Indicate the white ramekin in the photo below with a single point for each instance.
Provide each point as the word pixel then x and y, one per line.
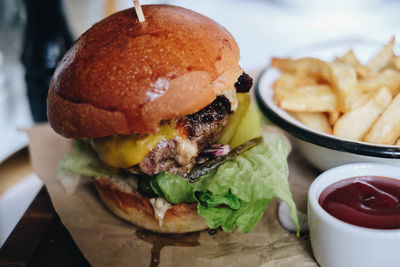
pixel 339 244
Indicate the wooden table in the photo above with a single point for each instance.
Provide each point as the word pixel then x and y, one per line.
pixel 39 239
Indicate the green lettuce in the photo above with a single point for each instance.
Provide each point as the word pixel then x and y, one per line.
pixel 172 187
pixel 239 191
pixel 85 162
pixel 82 161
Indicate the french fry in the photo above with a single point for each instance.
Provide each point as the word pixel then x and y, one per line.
pixel 284 82
pixel 386 129
pixel 382 59
pixel 396 62
pixel 333 116
pixel 343 79
pixel 356 123
pixel 313 98
pixel 398 142
pixel 361 99
pixel 309 66
pixel 340 75
pixel 388 78
pixel 288 81
pixel 350 58
pixel 315 120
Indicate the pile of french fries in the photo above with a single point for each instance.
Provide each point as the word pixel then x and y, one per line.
pixel 343 97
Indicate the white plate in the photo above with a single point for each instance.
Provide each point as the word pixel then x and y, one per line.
pixel 12 141
pixel 15 201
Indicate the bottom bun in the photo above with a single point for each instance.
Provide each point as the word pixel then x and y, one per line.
pixel 133 207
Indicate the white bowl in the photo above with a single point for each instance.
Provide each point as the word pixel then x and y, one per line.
pixel 323 150
pixel 339 244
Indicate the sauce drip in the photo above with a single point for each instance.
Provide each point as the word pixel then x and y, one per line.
pixel 367 201
pixel 159 241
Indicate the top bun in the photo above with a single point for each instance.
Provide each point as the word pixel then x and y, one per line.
pixel 125 77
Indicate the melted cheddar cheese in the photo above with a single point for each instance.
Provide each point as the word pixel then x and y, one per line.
pixel 123 151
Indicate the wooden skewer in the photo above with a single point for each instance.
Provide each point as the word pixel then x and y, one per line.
pixel 139 11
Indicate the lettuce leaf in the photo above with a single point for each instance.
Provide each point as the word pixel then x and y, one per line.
pixel 255 178
pixel 85 162
pixel 245 218
pixel 172 187
pixel 239 191
pixel 82 161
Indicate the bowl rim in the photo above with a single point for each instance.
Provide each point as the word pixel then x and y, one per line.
pixel 327 141
pixel 324 180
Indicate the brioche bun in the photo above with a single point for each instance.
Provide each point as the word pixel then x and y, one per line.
pixel 133 207
pixel 125 77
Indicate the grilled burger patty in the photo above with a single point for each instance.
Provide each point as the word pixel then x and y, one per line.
pixel 203 128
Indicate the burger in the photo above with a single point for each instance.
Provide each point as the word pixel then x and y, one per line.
pixel 163 122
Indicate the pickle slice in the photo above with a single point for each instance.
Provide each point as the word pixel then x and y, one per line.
pixel 212 164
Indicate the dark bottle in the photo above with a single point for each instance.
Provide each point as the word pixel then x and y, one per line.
pixel 46 39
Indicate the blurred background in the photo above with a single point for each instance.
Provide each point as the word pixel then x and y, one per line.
pixel 34 34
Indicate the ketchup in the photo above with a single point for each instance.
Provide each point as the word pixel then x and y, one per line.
pixel 367 201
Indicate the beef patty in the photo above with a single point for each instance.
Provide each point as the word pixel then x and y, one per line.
pixel 203 128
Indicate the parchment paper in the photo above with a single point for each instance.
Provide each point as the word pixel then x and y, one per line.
pixel 106 240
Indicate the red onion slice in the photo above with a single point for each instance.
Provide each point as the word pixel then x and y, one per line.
pixel 217 150
pixel 286 221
